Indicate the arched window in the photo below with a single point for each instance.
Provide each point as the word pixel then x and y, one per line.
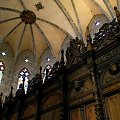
pixel 24 74
pixel 44 72
pixel 2 68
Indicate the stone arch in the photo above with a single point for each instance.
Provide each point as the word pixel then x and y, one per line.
pixel 20 64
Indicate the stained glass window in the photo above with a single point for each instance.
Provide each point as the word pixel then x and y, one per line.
pixel 44 72
pixel 2 67
pixel 24 74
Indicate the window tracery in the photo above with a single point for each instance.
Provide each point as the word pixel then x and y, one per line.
pixel 23 75
pixel 49 67
pixel 2 68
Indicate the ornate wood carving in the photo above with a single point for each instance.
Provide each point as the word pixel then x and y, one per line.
pixel 52 100
pixel 75 114
pixel 112 74
pixel 107 34
pixel 14 117
pixel 108 55
pixel 30 110
pixel 113 107
pixel 51 115
pixel 74 51
pixel 90 112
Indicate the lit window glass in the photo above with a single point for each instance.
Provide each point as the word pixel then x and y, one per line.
pixel 97 23
pixel 2 67
pixel 23 74
pixel 44 72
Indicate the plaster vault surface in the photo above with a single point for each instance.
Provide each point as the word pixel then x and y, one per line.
pixel 38 24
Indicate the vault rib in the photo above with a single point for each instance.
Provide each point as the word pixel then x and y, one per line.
pixel 45 38
pixel 22 4
pixel 118 4
pixel 33 39
pixel 10 9
pixel 7 20
pixel 19 44
pixel 77 17
pixel 11 31
pixel 110 8
pixel 61 29
pixel 65 12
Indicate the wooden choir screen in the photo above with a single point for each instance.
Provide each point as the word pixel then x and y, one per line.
pixel 75 114
pixel 113 107
pixel 51 115
pixel 90 112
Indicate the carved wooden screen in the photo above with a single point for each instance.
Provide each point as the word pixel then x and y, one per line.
pixel 14 117
pixel 75 114
pixel 90 112
pixel 113 107
pixel 30 111
pixel 52 115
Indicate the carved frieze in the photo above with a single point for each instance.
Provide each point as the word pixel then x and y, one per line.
pixel 107 34
pixel 80 87
pixel 74 51
pixel 108 55
pixel 14 117
pixel 52 100
pixel 112 74
pixel 30 110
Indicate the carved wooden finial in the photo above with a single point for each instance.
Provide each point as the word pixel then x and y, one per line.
pixel 117 13
pixel 89 43
pixel 47 74
pixel 11 94
pixel 62 58
pixel 40 70
pixel 89 40
pixel 1 95
pixel 40 75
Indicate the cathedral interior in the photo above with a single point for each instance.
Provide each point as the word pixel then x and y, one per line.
pixel 59 59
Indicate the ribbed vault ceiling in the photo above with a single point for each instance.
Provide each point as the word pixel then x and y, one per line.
pixel 49 26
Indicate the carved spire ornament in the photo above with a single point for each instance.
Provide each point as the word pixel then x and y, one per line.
pixel 62 59
pixel 96 86
pixel 89 40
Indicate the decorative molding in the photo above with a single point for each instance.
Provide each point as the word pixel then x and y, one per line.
pixel 39 6
pixel 28 17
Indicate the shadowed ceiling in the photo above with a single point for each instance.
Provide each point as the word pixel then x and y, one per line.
pixel 40 24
